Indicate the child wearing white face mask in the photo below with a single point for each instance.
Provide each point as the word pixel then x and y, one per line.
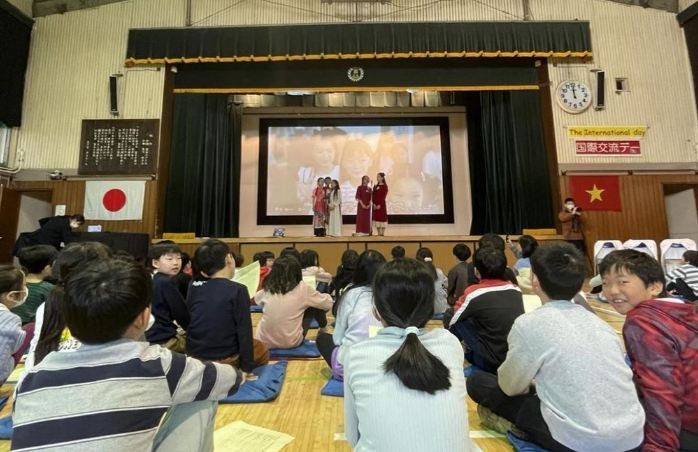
pixel 14 340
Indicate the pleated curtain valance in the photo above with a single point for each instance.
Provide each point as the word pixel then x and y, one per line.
pixel 359 41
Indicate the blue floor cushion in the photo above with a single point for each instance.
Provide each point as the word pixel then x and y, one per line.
pixel 521 445
pixel 333 388
pixel 306 350
pixel 6 427
pixel 265 388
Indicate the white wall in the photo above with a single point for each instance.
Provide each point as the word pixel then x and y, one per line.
pixel 649 48
pixel 683 4
pixel 73 54
pixel 460 176
pixel 23 5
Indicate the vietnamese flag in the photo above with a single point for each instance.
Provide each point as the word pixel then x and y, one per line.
pixel 596 192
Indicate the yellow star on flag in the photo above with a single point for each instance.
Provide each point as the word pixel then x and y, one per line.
pixel 595 193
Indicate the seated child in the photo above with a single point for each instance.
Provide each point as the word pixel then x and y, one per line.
pixel 398 252
pixel 343 277
pixel 220 328
pixel 50 330
pixel 440 281
pixel 484 314
pixel 285 299
pixel 458 275
pixel 661 339
pixel 310 263
pixel 405 372
pixel 15 339
pixel 266 261
pixel 168 305
pixel 37 260
pixel 497 242
pixel 683 280
pixel 184 277
pixel 557 354
pixel 113 392
pixel 354 315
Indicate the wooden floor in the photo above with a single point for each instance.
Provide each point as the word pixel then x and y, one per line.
pixel 317 422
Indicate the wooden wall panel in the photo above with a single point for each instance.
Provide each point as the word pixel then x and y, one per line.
pixel 643 215
pixel 72 194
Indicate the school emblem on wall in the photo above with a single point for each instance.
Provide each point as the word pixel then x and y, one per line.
pixel 355 74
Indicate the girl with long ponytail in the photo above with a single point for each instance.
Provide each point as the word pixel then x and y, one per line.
pixel 404 388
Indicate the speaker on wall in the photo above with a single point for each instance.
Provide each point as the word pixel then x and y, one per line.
pixel 113 98
pixel 600 90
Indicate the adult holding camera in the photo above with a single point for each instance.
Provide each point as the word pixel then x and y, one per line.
pixel 572 223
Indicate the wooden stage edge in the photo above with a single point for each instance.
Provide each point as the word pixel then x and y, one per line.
pixel 330 249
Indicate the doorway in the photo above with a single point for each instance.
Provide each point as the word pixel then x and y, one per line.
pixel 33 206
pixel 681 211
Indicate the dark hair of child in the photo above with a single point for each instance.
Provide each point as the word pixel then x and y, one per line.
pixel 284 276
pixel 492 240
pixel 101 300
pixel 691 257
pixel 262 257
pixel 425 256
pixel 490 262
pixel 634 262
pixel 560 270
pixel 366 267
pixel 36 258
pixel 309 258
pixel 462 252
pixel 291 251
pixel 403 295
pixel 528 245
pixel 398 252
pixel 160 249
pixel 73 256
pixel 11 279
pixel 209 258
pixel 80 218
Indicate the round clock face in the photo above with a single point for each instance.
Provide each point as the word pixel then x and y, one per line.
pixel 573 96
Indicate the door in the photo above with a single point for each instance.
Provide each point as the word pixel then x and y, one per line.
pixel 681 212
pixel 9 214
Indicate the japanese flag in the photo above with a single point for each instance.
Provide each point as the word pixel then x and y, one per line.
pixel 114 200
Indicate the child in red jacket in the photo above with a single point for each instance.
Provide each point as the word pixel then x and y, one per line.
pixel 661 337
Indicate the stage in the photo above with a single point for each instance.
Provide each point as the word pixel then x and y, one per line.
pixel 330 249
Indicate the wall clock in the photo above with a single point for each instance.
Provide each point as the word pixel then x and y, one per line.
pixel 573 96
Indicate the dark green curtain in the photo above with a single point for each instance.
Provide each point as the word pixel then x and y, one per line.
pixel 510 183
pixel 204 178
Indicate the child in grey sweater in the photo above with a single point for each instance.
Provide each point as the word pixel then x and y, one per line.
pixel 548 384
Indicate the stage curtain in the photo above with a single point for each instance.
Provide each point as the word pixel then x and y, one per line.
pixel 359 41
pixel 508 164
pixel 204 177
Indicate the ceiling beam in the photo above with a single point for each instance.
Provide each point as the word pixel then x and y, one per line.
pixel 47 7
pixel 671 6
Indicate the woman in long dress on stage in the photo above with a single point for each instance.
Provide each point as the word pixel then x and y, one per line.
pixel 335 210
pixel 319 209
pixel 380 211
pixel 363 207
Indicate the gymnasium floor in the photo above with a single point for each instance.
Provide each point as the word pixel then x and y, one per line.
pixel 316 421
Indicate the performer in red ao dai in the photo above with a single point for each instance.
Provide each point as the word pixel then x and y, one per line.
pixel 319 209
pixel 380 211
pixel 363 207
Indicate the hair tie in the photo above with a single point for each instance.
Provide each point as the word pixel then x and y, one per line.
pixel 411 330
pixel 427 259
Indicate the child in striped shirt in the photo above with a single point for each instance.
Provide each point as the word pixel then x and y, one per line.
pixel 116 393
pixel 683 281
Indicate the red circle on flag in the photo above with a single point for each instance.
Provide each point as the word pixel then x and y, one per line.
pixel 114 200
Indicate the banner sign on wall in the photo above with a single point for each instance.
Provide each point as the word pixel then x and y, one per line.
pixel 606 131
pixel 607 147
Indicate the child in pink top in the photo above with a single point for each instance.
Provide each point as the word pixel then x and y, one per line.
pixel 285 298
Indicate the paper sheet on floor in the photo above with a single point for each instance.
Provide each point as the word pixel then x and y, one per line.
pixel 243 437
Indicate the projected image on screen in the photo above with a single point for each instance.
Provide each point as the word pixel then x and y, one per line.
pixel 410 153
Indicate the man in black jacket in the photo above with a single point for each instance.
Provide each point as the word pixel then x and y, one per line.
pixel 53 231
